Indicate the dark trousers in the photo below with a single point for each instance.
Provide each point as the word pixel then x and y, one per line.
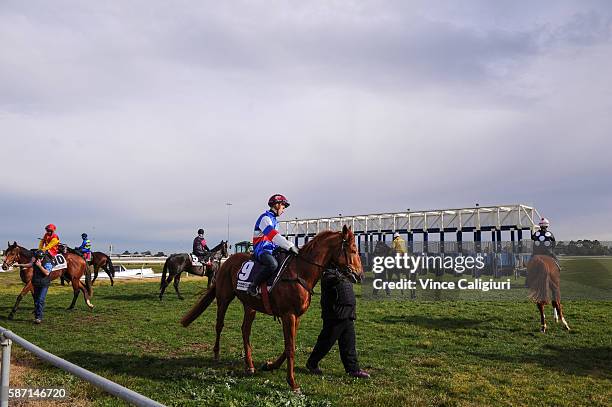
pixel 40 293
pixel 343 331
pixel 270 264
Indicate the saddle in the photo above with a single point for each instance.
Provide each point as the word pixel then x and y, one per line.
pixel 252 267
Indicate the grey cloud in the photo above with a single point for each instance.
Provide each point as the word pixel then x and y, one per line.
pixel 170 113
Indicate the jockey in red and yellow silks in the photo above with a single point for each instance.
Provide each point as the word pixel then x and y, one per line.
pixel 50 241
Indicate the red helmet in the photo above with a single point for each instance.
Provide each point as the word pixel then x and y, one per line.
pixel 51 227
pixel 278 198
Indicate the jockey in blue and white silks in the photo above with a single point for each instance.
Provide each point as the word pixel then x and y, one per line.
pixel 266 238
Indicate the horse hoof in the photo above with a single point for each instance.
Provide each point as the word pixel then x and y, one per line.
pixel 297 390
pixel 266 367
pixel 181 298
pixel 11 316
pixel 543 330
pixel 250 371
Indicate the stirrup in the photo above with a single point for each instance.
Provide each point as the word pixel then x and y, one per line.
pixel 251 292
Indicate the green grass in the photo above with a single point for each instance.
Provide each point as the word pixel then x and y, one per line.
pixel 419 352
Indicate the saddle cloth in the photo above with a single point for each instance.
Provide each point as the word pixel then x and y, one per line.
pixel 251 268
pixel 59 262
pixel 195 261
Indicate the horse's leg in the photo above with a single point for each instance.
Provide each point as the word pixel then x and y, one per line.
pixel 164 284
pixel 85 294
pixel 177 280
pixel 96 268
pixel 269 366
pixel 75 289
pixel 28 288
pixel 542 320
pixel 247 323
pixel 289 331
pixel 221 309
pixel 559 313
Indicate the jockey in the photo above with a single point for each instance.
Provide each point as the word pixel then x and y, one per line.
pixel 200 248
pixel 543 240
pixel 266 239
pixel 85 247
pixel 50 241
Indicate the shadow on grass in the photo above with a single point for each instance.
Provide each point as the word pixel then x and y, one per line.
pixel 434 323
pixel 583 361
pixel 156 367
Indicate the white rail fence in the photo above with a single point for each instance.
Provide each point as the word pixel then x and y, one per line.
pixel 7 338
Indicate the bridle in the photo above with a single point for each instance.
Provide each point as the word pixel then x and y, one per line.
pixel 347 270
pixel 15 260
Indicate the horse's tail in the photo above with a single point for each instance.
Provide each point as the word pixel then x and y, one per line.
pixel 88 278
pixel 164 272
pixel 199 306
pixel 538 280
pixel 109 264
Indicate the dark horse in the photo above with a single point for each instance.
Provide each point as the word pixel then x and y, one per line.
pixel 99 261
pixel 177 263
pixel 543 277
pixel 289 299
pixel 77 267
pixel 102 261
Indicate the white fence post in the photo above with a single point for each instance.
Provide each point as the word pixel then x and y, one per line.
pixel 5 370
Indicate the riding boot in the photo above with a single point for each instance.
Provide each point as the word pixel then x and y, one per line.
pixel 263 276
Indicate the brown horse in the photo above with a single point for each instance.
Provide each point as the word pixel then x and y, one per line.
pixel 75 270
pixel 289 299
pixel 543 277
pixel 102 261
pixel 175 264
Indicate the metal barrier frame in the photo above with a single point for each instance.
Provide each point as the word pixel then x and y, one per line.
pixel 6 339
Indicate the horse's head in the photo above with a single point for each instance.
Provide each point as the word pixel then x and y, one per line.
pixel 224 252
pixel 11 255
pixel 346 256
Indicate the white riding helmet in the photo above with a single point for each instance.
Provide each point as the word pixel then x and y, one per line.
pixel 396 234
pixel 544 222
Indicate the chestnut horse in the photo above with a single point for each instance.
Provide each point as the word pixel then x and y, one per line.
pixel 289 299
pixel 75 270
pixel 543 278
pixel 102 261
pixel 177 263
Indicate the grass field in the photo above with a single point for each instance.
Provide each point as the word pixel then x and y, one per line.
pixel 420 352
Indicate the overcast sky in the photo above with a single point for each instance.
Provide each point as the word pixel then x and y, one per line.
pixel 136 121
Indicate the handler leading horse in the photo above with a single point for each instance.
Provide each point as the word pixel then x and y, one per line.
pixel 289 299
pixel 77 267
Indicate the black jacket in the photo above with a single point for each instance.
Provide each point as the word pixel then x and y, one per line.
pixel 39 279
pixel 198 249
pixel 337 297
